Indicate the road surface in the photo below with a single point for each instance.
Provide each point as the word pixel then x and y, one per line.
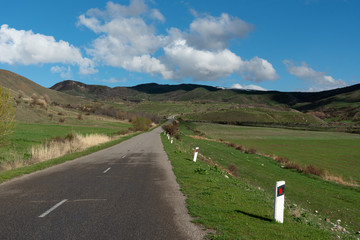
pixel 124 192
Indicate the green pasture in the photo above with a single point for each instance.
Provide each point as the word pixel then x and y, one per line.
pixel 337 152
pixel 241 207
pixel 256 115
pixel 27 135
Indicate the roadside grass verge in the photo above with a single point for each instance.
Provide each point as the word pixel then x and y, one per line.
pixel 232 207
pixel 333 152
pixel 242 207
pixel 6 175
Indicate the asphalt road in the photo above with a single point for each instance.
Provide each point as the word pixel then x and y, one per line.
pixel 125 192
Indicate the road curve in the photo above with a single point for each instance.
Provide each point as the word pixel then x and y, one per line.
pixel 127 191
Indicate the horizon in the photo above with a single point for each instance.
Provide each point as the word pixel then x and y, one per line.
pixel 297 46
pixel 176 84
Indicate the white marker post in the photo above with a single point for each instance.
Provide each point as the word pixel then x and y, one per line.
pixel 279 201
pixel 168 137
pixel 172 140
pixel 196 153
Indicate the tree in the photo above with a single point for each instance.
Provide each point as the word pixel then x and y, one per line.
pixel 7 115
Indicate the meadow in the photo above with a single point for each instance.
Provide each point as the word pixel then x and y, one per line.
pixel 338 153
pixel 241 207
pixel 28 135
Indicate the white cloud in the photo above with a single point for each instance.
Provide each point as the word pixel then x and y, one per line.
pixel 156 14
pixel 319 80
pixel 214 33
pixel 248 87
pixel 258 70
pixel 212 65
pixel 126 40
pixel 148 64
pixel 200 64
pixel 26 47
pixel 65 73
pixel 124 35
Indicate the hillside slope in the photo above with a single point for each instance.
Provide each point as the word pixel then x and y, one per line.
pixel 18 83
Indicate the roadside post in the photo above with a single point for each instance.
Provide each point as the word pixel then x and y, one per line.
pixel 279 201
pixel 172 140
pixel 196 153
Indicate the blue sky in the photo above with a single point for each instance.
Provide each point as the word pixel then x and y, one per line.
pixel 285 45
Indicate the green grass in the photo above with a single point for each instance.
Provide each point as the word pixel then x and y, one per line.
pixel 254 115
pixel 337 152
pixel 27 135
pixel 242 208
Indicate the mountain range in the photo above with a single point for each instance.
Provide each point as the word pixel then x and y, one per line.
pixel 342 104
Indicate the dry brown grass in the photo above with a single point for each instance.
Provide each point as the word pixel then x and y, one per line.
pixel 311 169
pixel 282 160
pixel 291 165
pixel 56 148
pixel 251 151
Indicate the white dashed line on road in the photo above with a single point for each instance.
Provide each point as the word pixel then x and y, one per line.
pixel 107 170
pixel 53 208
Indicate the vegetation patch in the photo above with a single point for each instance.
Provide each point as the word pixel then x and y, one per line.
pixel 238 208
pixel 334 153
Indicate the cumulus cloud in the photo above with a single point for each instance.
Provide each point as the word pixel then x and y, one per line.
pixel 148 64
pixel 319 80
pixel 258 70
pixel 248 87
pixel 215 32
pixel 200 64
pixel 126 39
pixel 26 47
pixel 212 65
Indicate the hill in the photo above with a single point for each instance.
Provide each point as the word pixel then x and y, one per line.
pixel 338 105
pixel 50 102
pixel 19 83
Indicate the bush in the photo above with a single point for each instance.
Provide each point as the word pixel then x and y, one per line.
pixel 7 115
pixel 171 128
pixel 47 99
pixel 21 94
pixel 141 123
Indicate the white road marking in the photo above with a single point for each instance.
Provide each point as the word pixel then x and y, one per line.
pixel 124 156
pixel 107 170
pixel 53 208
pixel 88 200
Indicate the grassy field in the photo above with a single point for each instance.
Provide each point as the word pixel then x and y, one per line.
pixel 242 207
pixel 256 115
pixel 339 153
pixel 27 135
